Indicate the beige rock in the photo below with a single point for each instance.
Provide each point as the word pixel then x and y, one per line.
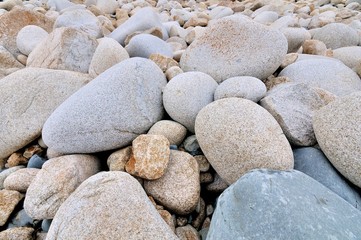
pixel 16 159
pixel 41 236
pixel 196 21
pixel 218 185
pixel 235 142
pixel 64 49
pixel 168 218
pixel 21 179
pixel 179 188
pixel 289 59
pixel 7 60
pixel 150 156
pixel 172 72
pixel 57 179
pixel 10 4
pixel 272 81
pixel 201 214
pixel 22 59
pixel 17 233
pixel 350 56
pixel 108 53
pixel 187 233
pixel 181 221
pixel 32 150
pixel 206 178
pixel 97 201
pixel 173 131
pixel 8 201
pixel 314 47
pixel 4 174
pixel 106 25
pixel 202 163
pixel 163 62
pixel 337 129
pixel 117 160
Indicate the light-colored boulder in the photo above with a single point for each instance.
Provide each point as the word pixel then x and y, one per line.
pixel 237 135
pixel 186 94
pixel 5 173
pixel 107 6
pixel 17 233
pixel 93 211
pixel 350 56
pixel 54 183
pixel 235 46
pixel 109 112
pixel 173 131
pixel 29 37
pixel 143 45
pixel 21 179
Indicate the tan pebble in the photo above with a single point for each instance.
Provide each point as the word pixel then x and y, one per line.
pixel 117 160
pixel 201 210
pixel 163 62
pixel 178 54
pixel 8 199
pixel 168 218
pixel 96 11
pixel 202 163
pixel 22 59
pixel 32 150
pixel 16 159
pixel 206 178
pixel 314 47
pixel 289 59
pixel 206 223
pixel 187 233
pixel 181 221
pixel 218 185
pixel 272 81
pixel 172 72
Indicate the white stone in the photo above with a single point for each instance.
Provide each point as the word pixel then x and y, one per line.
pixel 29 37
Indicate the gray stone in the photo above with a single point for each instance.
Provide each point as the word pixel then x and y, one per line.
pixel 338 132
pixel 336 35
pixel 82 20
pixel 330 75
pixel 29 97
pixel 5 173
pixel 293 106
pixel 179 188
pixel 266 17
pixel 220 12
pixel 143 45
pixel 110 111
pixel 186 94
pixel 237 135
pixel 142 20
pixel 29 37
pixel 173 131
pixel 191 144
pixel 20 219
pixel 36 162
pixel 268 204
pixel 60 5
pixel 93 211
pixel 350 56
pixel 45 224
pixel 57 179
pixel 236 46
pixel 20 180
pixel 314 163
pixel 295 37
pixel 64 49
pixel 250 88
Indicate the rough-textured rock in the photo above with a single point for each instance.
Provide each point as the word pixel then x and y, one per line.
pixel 295 37
pixel 108 53
pixel 57 179
pixel 80 19
pixel 150 156
pixel 10 4
pixel 235 46
pixel 29 37
pixel 237 135
pixel 179 188
pixel 250 88
pixel 4 174
pixel 16 159
pixel 337 35
pixel 15 20
pixel 282 205
pixel 186 94
pixel 338 132
pixel 7 60
pixel 330 75
pixel 314 47
pixel 8 199
pixel 110 111
pixel 350 56
pixel 142 20
pixel 100 195
pixel 117 160
pixel 187 233
pixel 314 163
pixel 163 62
pixel 173 131
pixel 293 106
pixel 143 45
pixel 29 97
pixel 21 179
pixel 23 233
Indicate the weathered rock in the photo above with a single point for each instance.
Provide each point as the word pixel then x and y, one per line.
pixel 25 233
pixel 21 179
pixel 336 35
pixel 202 163
pixel 186 94
pixel 16 159
pixel 110 111
pixel 117 160
pixel 338 133
pixel 293 106
pixel 8 199
pixel 4 174
pixel 29 96
pixel 150 156
pixel 330 75
pixel 144 45
pixel 29 37
pixel 237 135
pixel 108 53
pixel 350 56
pixel 314 163
pixel 187 233
pixel 163 62
pixel 249 88
pixel 292 205
pixel 235 46
pixel 57 179
pixel 7 60
pixel 82 20
pixel 100 195
pixel 15 20
pixel 173 131
pixel 168 218
pixel 314 47
pixel 179 188
pixel 64 49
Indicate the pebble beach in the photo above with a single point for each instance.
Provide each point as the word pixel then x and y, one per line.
pixel 180 120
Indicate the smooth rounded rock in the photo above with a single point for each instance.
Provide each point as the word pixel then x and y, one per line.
pixel 29 37
pixel 338 132
pixel 7 172
pixel 237 135
pixel 179 188
pixel 109 112
pixel 100 195
pixel 173 131
pixel 330 75
pixel 54 183
pixel 36 162
pixel 144 45
pixel 350 56
pixel 250 88
pixel 295 37
pixel 21 179
pixel 186 94
pixel 235 46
